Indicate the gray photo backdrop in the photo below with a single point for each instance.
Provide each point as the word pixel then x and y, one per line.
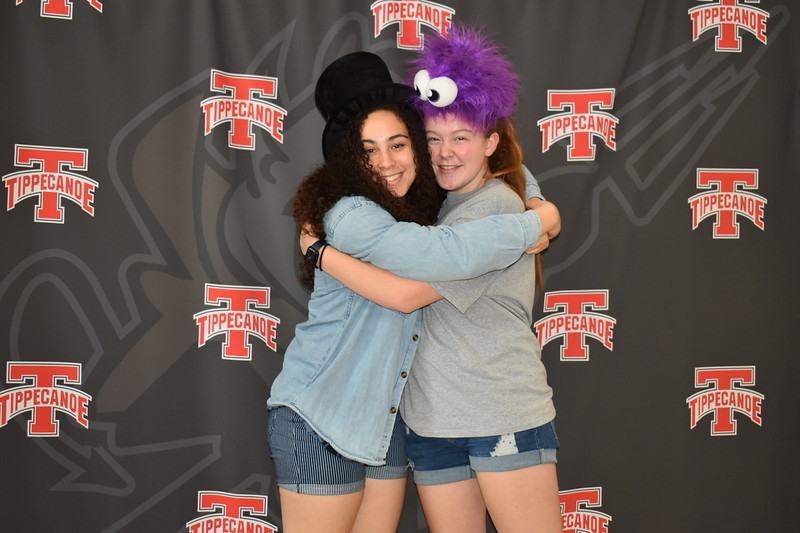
pixel 656 320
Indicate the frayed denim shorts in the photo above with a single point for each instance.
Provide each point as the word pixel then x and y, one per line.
pixel 437 461
pixel 306 464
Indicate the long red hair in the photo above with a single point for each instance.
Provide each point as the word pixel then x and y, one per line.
pixel 505 164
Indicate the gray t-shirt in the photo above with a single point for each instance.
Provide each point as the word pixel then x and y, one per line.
pixel 478 368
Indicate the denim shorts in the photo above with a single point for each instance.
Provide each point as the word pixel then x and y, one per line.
pixel 306 464
pixel 447 460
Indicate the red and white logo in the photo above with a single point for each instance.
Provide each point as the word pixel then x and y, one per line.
pixel 43 393
pixel 244 107
pixel 729 16
pixel 62 9
pixel 722 397
pixel 727 200
pixel 49 179
pixel 581 122
pixel 238 320
pixel 574 323
pixel 578 514
pixel 235 512
pixel 410 15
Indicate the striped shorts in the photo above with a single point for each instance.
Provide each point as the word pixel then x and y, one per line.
pixel 306 464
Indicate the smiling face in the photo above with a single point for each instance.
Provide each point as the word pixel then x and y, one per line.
pixel 386 141
pixel 460 155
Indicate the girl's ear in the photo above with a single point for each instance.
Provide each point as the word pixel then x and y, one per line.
pixel 491 144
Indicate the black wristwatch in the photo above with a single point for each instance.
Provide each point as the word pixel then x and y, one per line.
pixel 313 251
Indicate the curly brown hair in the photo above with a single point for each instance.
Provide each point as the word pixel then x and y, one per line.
pixel 347 172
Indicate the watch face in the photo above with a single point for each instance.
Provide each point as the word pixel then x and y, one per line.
pixel 311 256
pixel 312 252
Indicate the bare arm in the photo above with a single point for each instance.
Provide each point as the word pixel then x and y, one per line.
pixel 373 283
pixel 551 223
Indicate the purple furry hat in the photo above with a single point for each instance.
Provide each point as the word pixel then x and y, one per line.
pixel 465 75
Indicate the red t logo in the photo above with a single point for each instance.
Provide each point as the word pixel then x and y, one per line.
pixel 729 200
pixel 233 507
pixel 243 107
pixel 581 121
pixel 44 395
pixel 411 15
pixel 238 321
pixel 575 513
pixel 722 397
pixel 50 180
pixel 575 322
pixel 62 9
pixel 729 16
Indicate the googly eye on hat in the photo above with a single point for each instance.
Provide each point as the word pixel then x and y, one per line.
pixel 466 75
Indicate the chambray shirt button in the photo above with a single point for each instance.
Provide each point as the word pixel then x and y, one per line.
pixel 393 410
pixel 403 374
pixel 415 337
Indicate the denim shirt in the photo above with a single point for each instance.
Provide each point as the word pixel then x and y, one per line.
pixel 346 367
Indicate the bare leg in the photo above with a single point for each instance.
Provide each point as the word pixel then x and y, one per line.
pixel 523 501
pixel 381 507
pixel 303 513
pixel 454 507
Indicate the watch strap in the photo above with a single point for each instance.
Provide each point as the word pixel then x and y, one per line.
pixel 313 252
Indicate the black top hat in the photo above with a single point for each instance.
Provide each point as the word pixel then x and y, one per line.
pixel 351 84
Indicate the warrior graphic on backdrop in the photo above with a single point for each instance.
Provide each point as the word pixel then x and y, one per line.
pixel 729 16
pixel 44 392
pixel 242 105
pixel 727 199
pixel 575 322
pixel 410 16
pixel 50 180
